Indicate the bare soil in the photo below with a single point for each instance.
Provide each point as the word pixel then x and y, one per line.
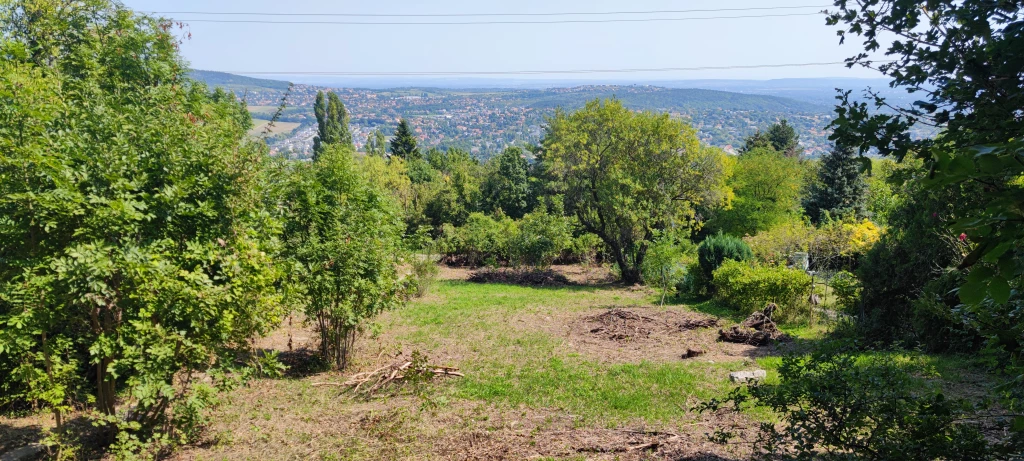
pixel 617 334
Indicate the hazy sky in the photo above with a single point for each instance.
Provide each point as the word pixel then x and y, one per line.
pixel 285 48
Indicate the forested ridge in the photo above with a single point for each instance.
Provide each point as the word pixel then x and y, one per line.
pixel 168 287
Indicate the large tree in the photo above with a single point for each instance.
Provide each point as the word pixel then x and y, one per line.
pixel 134 253
pixel 403 144
pixel 628 175
pixel 963 60
pixel 767 187
pixel 332 123
pixel 840 189
pixel 507 186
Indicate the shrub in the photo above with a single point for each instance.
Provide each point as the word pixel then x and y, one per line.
pixel 541 238
pixel 664 266
pixel 747 288
pixel 585 248
pixel 775 245
pixel 835 405
pixel 718 248
pixel 846 289
pixel 939 322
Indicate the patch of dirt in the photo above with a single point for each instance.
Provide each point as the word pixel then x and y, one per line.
pixel 530 278
pixel 619 334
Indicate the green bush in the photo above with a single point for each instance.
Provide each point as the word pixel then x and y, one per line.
pixel 838 405
pixel 718 248
pixel 747 288
pixel 665 264
pixel 940 325
pixel 540 240
pixel 846 289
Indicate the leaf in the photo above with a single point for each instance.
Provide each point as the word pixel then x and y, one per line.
pixel 980 274
pixel 972 292
pixel 999 289
pixel 1018 424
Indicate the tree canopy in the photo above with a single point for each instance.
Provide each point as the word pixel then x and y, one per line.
pixel 331 121
pixel 403 144
pixel 627 175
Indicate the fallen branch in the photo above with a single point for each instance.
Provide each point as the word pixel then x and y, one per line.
pixel 370 382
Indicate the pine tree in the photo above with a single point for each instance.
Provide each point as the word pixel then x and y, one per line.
pixel 784 139
pixel 332 123
pixel 404 143
pixel 840 189
pixel 780 136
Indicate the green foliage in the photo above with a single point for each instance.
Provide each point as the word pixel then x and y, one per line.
pixel 715 250
pixel 665 264
pixel 895 270
pixel 332 123
pixel 403 144
pixel 376 144
pixel 457 177
pixel 343 237
pixel 836 405
pixel 942 324
pixel 767 188
pixel 134 249
pixel 542 238
pixel 846 289
pixel 840 189
pixel 747 287
pixel 627 174
pixel 780 137
pixel 536 240
pixel 965 62
pixel 883 185
pixel 507 186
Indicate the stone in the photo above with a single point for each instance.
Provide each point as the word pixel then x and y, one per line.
pixel 744 376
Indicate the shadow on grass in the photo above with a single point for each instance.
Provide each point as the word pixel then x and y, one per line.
pixel 13 437
pixel 302 363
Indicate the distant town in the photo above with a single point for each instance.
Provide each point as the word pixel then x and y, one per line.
pixel 484 122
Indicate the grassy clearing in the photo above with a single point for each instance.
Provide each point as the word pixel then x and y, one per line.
pixel 527 392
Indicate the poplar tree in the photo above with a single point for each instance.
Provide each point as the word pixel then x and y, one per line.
pixel 332 123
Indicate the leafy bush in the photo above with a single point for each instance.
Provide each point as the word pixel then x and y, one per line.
pixel 941 323
pixel 748 287
pixel 343 238
pixel 836 405
pixel 716 249
pixel 846 289
pixel 541 238
pixel 774 246
pixel 585 248
pixel 665 264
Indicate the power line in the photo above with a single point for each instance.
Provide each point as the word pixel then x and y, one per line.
pixel 442 15
pixel 566 21
pixel 535 72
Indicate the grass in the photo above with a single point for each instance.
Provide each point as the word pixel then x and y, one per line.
pixel 525 383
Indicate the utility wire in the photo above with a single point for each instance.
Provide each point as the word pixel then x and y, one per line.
pixel 566 21
pixel 442 15
pixel 538 72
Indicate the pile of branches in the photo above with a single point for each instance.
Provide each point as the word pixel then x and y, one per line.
pixel 621 325
pixel 530 278
pixel 698 323
pixel 757 330
pixel 405 371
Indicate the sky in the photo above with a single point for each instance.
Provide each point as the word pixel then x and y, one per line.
pixel 286 48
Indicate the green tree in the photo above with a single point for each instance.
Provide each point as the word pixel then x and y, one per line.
pixel 507 186
pixel 627 175
pixel 840 189
pixel 331 121
pixel 767 188
pixel 376 144
pixel 963 58
pixel 134 250
pixel 780 136
pixel 403 144
pixel 344 236
pixel 458 192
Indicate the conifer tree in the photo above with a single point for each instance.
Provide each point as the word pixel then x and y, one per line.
pixel 404 143
pixel 840 188
pixel 331 121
